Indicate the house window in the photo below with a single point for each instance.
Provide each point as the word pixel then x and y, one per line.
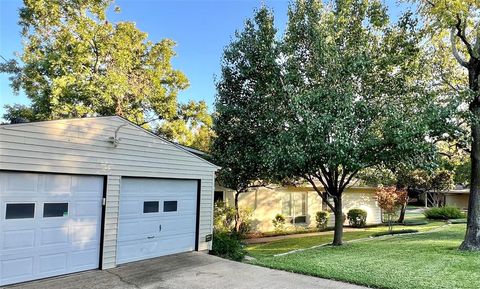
pixel 150 207
pixel 170 206
pixel 20 211
pixel 218 196
pixel 51 210
pixel 294 205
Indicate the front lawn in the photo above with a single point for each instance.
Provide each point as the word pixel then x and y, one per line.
pixel 422 261
pixel 286 245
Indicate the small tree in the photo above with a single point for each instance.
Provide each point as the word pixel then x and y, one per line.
pixel 390 200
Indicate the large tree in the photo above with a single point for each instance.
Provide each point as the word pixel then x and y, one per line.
pixel 76 63
pixel 246 91
pixel 358 97
pixel 454 26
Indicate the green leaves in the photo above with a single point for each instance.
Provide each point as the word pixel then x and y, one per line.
pixel 76 63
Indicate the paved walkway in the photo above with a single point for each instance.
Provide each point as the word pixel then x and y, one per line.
pixel 292 236
pixel 187 271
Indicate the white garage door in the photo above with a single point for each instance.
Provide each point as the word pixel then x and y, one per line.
pixel 50 225
pixel 157 218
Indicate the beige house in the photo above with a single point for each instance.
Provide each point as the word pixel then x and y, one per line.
pixel 298 204
pixel 457 198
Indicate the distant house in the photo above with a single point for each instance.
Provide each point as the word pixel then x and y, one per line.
pixel 457 197
pixel 298 204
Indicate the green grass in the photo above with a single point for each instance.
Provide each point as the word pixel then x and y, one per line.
pixel 422 261
pixel 286 245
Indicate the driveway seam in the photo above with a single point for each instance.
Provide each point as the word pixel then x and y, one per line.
pixel 123 280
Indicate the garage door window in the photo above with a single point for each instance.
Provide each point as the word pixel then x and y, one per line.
pixel 20 211
pixel 51 210
pixel 150 207
pixel 170 206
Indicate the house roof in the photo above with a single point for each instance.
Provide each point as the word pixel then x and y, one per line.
pixel 190 151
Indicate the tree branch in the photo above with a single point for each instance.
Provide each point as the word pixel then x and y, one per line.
pixel 455 52
pixel 319 192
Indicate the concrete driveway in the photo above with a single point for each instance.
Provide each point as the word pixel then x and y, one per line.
pixel 189 271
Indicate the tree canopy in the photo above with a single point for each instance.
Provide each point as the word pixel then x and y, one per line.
pixel 77 63
pixel 344 90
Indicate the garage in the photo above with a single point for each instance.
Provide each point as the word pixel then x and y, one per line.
pixel 50 225
pixel 93 193
pixel 157 218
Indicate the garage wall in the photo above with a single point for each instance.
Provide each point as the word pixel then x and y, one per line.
pixel 81 146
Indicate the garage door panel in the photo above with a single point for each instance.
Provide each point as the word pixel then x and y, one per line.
pixel 17 268
pixel 15 183
pixel 164 228
pixel 18 239
pixel 53 263
pixel 85 209
pixel 65 239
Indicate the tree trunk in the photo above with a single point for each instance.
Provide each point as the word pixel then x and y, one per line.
pixel 472 236
pixel 401 218
pixel 237 213
pixel 338 233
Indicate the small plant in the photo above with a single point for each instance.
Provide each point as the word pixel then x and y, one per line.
pixel 321 217
pixel 223 217
pixel 245 226
pixel 227 245
pixel 357 218
pixel 279 223
pixel 444 213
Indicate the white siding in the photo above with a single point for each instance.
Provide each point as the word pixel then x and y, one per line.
pixel 80 146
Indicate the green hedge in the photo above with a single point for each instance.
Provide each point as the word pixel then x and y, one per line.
pixel 444 213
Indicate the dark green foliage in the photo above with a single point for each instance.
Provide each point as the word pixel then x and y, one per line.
pixel 322 217
pixel 444 213
pixel 357 218
pixel 395 232
pixel 227 245
pixel 245 105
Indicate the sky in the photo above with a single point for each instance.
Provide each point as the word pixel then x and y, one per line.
pixel 200 28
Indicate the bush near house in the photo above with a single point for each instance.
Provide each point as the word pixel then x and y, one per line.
pixel 322 218
pixel 357 218
pixel 227 245
pixel 444 213
pixel 279 223
pixel 223 217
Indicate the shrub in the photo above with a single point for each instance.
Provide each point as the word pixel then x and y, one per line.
pixel 246 223
pixel 223 217
pixel 227 245
pixel 322 219
pixel 444 213
pixel 279 223
pixel 357 218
